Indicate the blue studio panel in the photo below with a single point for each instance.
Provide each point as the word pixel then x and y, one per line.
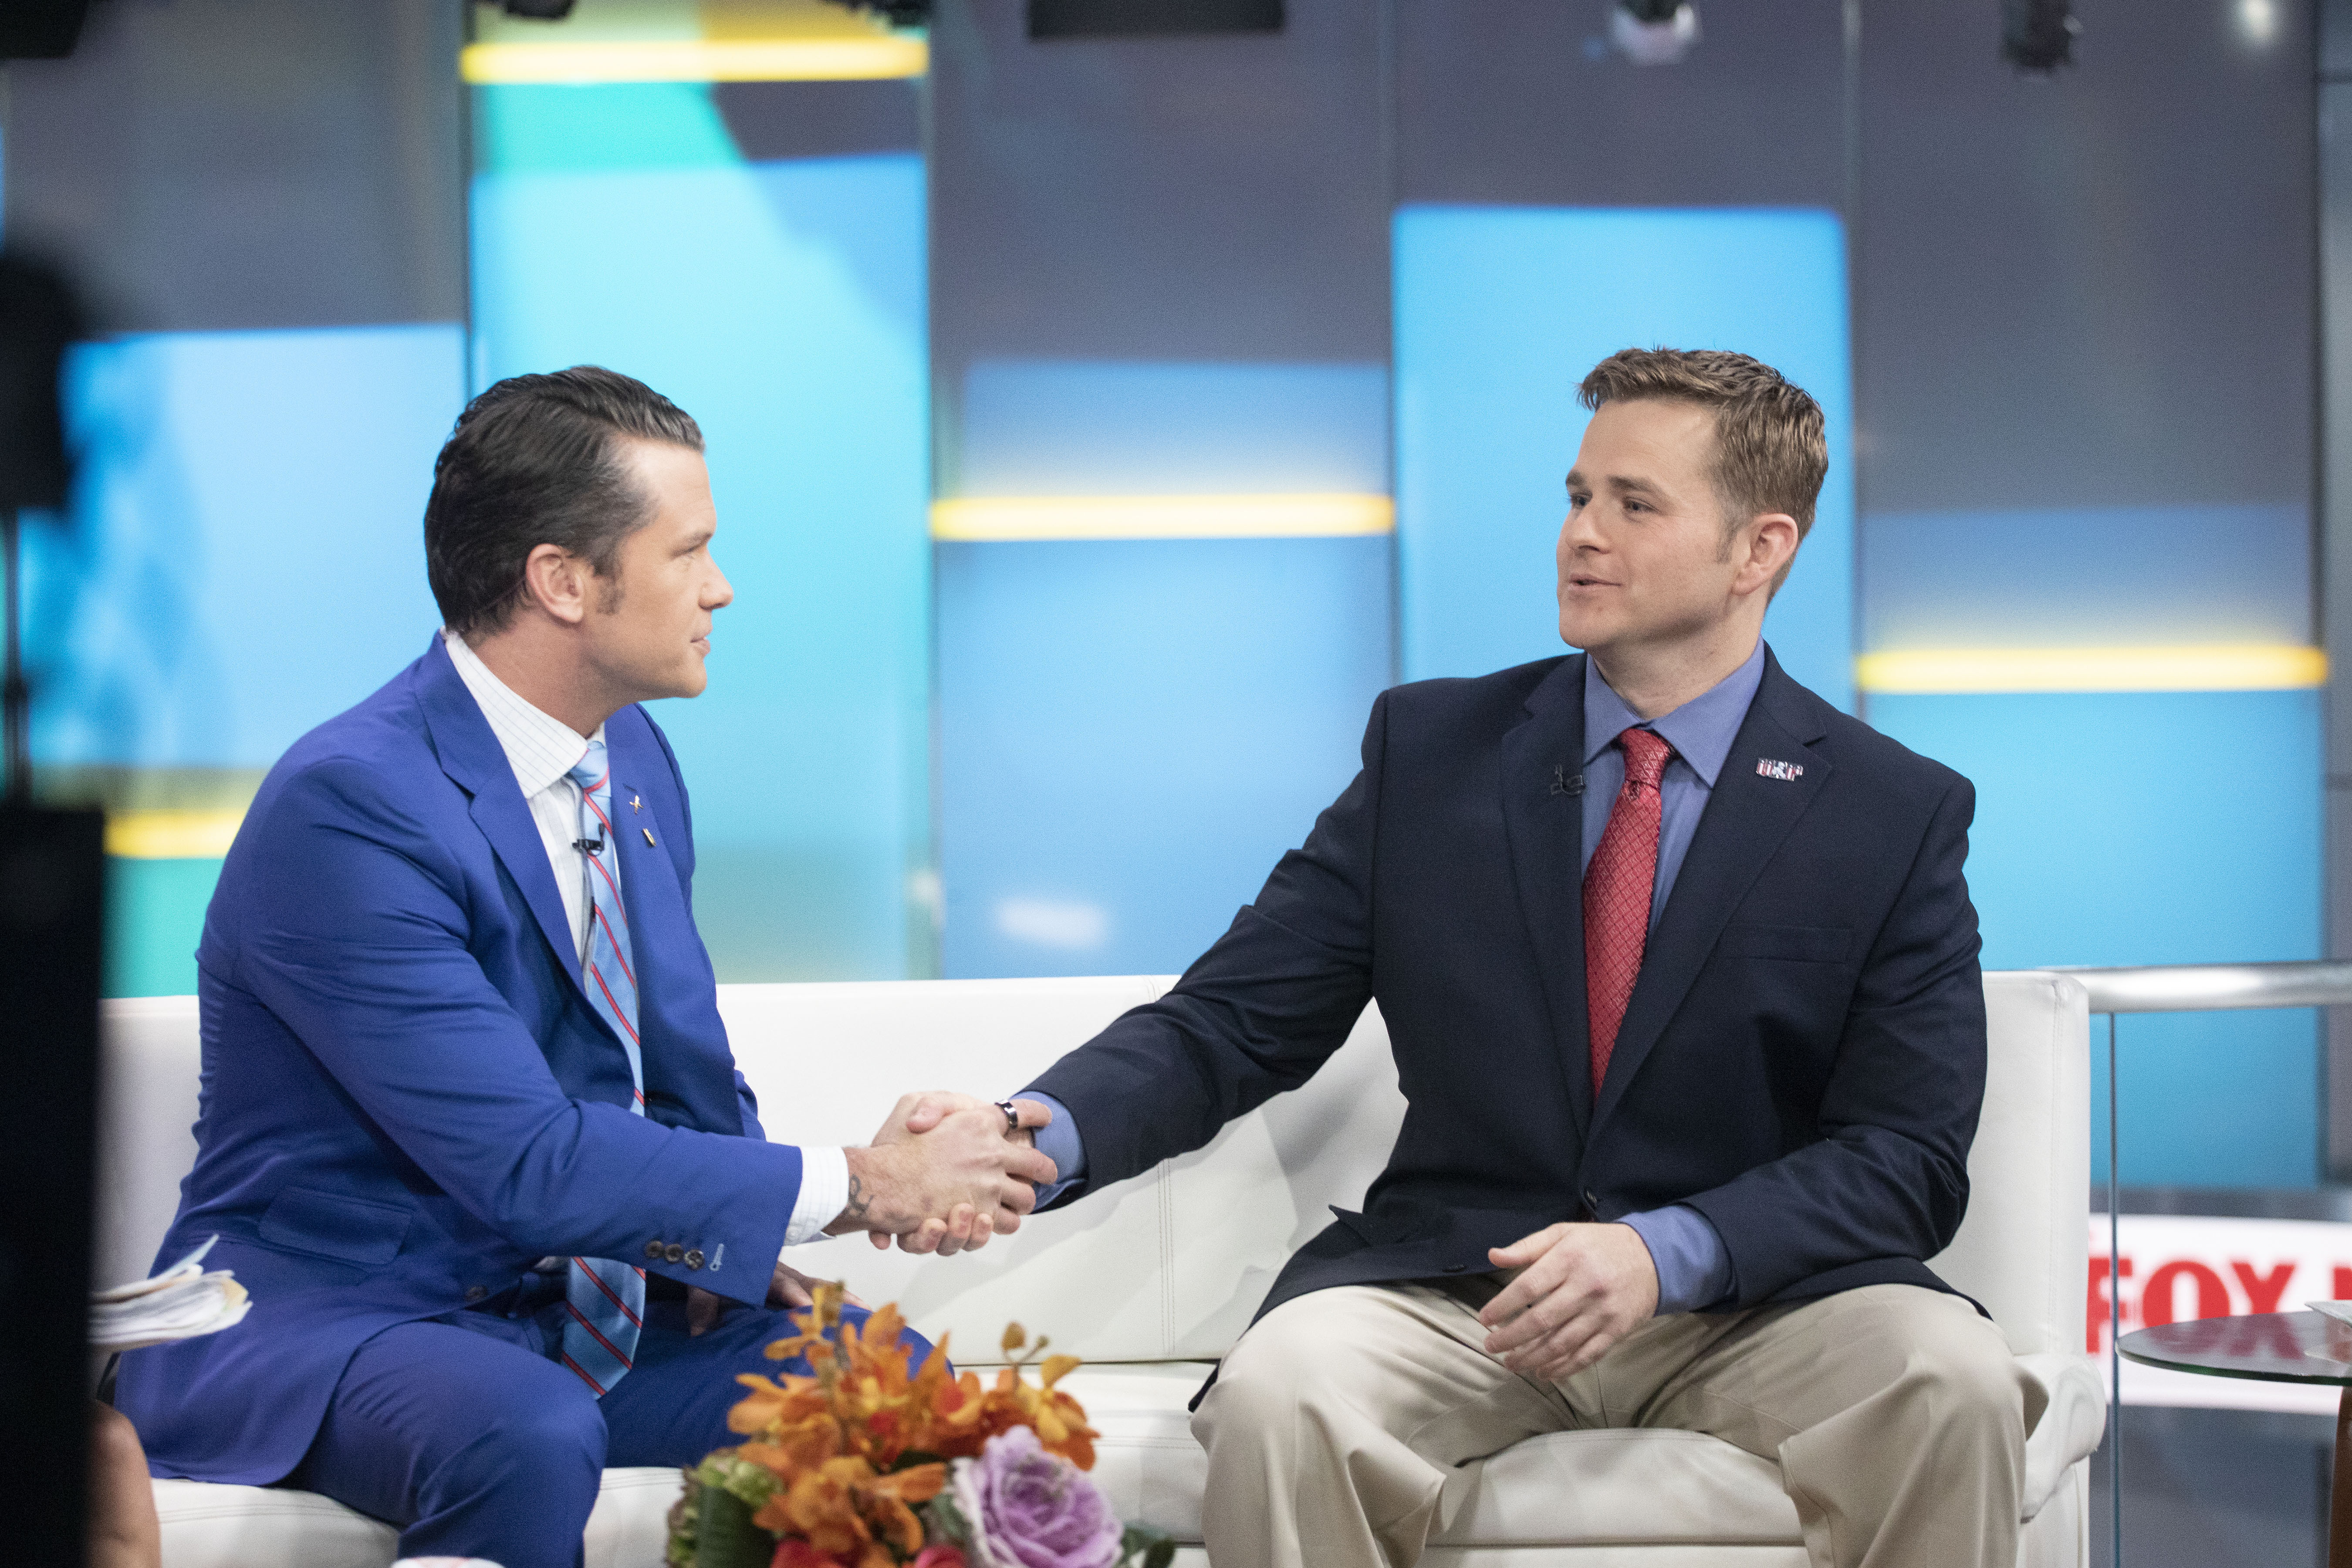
pixel 2086 576
pixel 781 304
pixel 2156 827
pixel 1128 427
pixel 1133 732
pixel 1500 312
pixel 244 558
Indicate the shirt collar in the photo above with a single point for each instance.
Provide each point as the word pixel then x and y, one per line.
pixel 540 747
pixel 1701 731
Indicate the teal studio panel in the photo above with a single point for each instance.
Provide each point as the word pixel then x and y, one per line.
pixel 2156 827
pixel 1500 312
pixel 243 559
pixel 1131 733
pixel 781 304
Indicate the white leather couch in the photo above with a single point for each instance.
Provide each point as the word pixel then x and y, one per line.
pixel 1153 1281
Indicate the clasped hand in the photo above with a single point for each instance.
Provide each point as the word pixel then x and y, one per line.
pixel 945 1174
pixel 1579 1289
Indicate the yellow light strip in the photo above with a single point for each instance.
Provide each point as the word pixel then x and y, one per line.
pixel 172 835
pixel 2259 667
pixel 1161 517
pixel 694 59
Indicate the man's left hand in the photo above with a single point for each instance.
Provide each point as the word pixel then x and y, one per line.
pixel 1581 1289
pixel 788 1288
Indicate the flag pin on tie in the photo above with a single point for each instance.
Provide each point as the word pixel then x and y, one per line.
pixel 1785 772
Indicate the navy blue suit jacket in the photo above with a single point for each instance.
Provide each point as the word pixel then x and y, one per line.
pixel 407 1096
pixel 1802 1059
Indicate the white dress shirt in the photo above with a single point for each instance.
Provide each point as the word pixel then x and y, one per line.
pixel 542 750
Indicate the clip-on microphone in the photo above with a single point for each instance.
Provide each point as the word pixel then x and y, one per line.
pixel 591 848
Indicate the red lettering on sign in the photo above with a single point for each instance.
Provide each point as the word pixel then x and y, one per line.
pixel 2094 1313
pixel 2262 1292
pixel 2156 1298
pixel 2343 1284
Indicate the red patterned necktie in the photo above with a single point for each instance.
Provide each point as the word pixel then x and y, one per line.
pixel 1617 888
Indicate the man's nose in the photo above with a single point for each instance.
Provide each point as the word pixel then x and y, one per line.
pixel 720 593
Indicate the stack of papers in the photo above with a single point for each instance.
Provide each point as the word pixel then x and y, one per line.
pixel 180 1303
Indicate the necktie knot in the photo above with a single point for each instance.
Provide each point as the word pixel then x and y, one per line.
pixel 1645 757
pixel 588 773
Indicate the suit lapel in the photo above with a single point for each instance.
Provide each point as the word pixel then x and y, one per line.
pixel 1544 825
pixel 1746 818
pixel 470 754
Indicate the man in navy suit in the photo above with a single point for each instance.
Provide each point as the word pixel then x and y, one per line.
pixel 471 1132
pixel 1680 971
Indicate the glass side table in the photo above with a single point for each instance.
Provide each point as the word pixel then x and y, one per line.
pixel 2272 1347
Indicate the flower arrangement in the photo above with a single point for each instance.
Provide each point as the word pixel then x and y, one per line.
pixel 869 1462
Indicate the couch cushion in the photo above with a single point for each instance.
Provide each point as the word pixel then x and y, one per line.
pixel 1620 1487
pixel 211 1526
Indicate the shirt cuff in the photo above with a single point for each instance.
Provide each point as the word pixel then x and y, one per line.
pixel 1059 1141
pixel 824 1193
pixel 1694 1266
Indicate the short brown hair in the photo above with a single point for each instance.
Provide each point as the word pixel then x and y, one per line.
pixel 1769 452
pixel 536 459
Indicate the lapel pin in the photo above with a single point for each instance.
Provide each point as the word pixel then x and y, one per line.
pixel 635 803
pixel 1563 784
pixel 1787 772
pixel 649 836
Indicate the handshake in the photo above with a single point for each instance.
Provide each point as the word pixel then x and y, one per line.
pixel 946 1172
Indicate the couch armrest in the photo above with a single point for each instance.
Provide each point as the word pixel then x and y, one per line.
pixel 2073 1419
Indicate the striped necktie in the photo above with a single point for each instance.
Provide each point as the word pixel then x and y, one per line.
pixel 605 1298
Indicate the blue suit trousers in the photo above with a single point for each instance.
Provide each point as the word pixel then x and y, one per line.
pixel 465 1432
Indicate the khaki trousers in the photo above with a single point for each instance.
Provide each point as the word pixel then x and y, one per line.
pixel 1897 1416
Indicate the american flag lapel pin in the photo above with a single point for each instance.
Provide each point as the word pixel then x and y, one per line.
pixel 1787 772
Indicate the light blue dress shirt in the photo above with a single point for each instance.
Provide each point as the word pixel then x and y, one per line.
pixel 1694 1267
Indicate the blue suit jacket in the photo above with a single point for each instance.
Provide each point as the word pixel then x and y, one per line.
pixel 1802 1059
pixel 407 1098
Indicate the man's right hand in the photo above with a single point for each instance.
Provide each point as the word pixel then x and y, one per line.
pixel 949 1188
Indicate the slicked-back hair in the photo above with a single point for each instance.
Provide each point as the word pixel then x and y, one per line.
pixel 537 460
pixel 1769 452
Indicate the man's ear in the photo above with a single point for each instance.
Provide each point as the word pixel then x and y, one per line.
pixel 1772 540
pixel 557 581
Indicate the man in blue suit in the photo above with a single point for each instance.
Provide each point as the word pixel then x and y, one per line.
pixel 471 1134
pixel 1680 972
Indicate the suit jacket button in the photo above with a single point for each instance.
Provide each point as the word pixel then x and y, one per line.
pixel 1455 1268
pixel 654 1250
pixel 674 1253
pixel 694 1258
pixel 1591 1202
pixel 475 1292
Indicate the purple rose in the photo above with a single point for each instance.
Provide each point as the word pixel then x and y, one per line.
pixel 1030 1508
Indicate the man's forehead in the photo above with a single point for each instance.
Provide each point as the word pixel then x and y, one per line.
pixel 1650 443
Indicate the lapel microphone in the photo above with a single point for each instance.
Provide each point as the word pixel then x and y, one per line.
pixel 1561 784
pixel 593 847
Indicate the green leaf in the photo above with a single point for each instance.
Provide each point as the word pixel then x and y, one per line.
pixel 725 1536
pixel 1163 1552
pixel 684 1514
pixel 945 1521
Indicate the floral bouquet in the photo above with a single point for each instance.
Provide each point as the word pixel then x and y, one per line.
pixel 870 1463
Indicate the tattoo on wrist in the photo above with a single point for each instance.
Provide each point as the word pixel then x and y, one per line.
pixel 860 1204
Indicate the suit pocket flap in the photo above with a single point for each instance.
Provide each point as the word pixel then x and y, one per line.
pixel 1805 944
pixel 350 1230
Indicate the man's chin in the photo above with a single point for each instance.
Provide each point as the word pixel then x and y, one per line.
pixel 1585 633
